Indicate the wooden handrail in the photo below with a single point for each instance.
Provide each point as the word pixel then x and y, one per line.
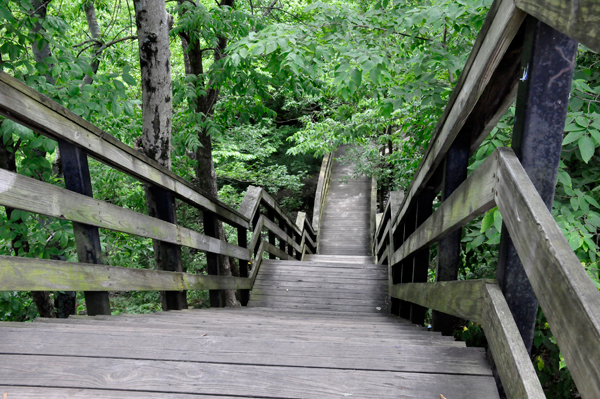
pixel 321 193
pixel 568 297
pixel 501 26
pixel 30 108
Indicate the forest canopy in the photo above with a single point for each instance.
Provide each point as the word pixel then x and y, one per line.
pixel 260 91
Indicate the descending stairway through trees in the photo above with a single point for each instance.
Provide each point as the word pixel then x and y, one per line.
pixel 334 306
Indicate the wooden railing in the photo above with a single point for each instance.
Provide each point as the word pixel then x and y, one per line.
pixel 503 63
pixel 258 212
pixel 321 193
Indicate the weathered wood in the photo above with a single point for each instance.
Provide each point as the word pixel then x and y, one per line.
pixel 279 233
pixel 321 190
pixel 548 62
pixel 459 298
pixel 30 108
pixel 270 233
pixel 449 247
pixel 29 274
pixel 351 356
pixel 28 194
pixel 568 297
pixel 373 224
pixel 161 204
pixel 87 238
pixel 474 197
pixel 518 377
pixel 223 379
pixel 273 250
pixel 242 234
pixel 578 19
pixel 503 26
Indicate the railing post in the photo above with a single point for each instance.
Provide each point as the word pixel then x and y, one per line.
pixel 282 226
pixel 406 265
pixel 87 238
pixel 211 229
pixel 290 232
pixel 421 258
pixel 271 217
pixel 455 173
pixel 169 256
pixel 548 62
pixel 243 242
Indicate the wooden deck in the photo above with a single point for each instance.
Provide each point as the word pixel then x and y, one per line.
pixel 346 223
pixel 313 330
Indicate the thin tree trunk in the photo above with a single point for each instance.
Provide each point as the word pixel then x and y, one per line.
pixel 153 22
pixel 90 16
pixel 206 177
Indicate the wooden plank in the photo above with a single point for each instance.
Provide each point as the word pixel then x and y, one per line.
pixel 321 189
pixel 220 379
pixel 578 19
pixel 28 392
pixel 459 298
pixel 272 227
pixel 32 274
pixel 568 297
pixel 474 197
pixel 349 356
pixel 31 195
pixel 514 365
pixel 272 249
pixel 30 108
pixel 271 203
pixel 503 26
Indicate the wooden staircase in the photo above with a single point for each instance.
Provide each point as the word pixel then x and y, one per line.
pixel 313 329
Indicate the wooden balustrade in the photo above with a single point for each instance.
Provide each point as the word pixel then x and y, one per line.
pixel 29 108
pixel 487 87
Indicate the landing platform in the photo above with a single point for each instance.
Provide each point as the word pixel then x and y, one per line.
pixel 312 330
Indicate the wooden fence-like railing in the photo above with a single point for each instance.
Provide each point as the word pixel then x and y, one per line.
pixel 321 193
pixel 258 212
pixel 515 55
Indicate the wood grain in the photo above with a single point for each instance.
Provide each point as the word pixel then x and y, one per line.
pixel 30 108
pixel 518 376
pixel 503 26
pixel 578 19
pixel 472 198
pixel 565 292
pixel 31 195
pixel 29 274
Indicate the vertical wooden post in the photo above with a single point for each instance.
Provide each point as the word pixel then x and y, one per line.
pixel 455 172
pixel 421 258
pixel 410 219
pixel 290 232
pixel 243 242
pixel 211 229
pixel 87 238
pixel 271 217
pixel 281 225
pixel 169 256
pixel 548 62
pixel 397 238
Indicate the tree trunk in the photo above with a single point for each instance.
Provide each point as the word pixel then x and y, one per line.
pixel 206 177
pixel 90 16
pixel 152 22
pixel 40 53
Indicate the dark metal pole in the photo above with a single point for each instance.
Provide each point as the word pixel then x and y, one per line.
pixel 87 238
pixel 548 62
pixel 455 172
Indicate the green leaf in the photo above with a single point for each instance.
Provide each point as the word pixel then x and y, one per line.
pixel 498 220
pixel 571 137
pixel 375 73
pixel 564 178
pixel 115 108
pixel 127 78
pixel 356 76
pixel 487 222
pixel 575 241
pixel 586 147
